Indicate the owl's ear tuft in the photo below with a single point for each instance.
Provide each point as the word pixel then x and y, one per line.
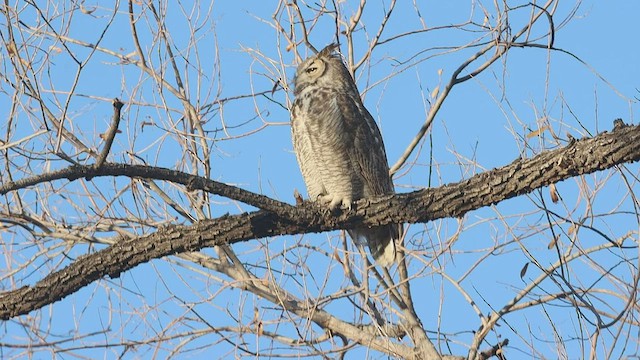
pixel 329 49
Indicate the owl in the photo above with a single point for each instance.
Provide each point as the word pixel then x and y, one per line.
pixel 339 146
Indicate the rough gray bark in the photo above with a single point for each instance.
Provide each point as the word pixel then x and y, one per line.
pixel 454 200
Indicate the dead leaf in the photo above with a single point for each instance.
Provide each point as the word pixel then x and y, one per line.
pixel 537 132
pixel 275 87
pixel 55 49
pixel 87 11
pixel 297 197
pixel 523 271
pixel 435 92
pixel 554 193
pixel 11 48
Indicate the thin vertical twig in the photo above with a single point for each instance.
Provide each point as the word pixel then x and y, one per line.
pixel 111 133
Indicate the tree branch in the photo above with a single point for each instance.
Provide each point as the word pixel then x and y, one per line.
pixel 192 182
pixel 111 133
pixel 454 200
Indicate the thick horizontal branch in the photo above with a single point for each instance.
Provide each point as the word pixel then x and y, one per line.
pixel 454 200
pixel 522 176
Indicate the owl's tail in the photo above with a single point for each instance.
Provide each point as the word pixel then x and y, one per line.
pixel 381 241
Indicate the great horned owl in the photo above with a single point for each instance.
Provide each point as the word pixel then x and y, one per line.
pixel 339 146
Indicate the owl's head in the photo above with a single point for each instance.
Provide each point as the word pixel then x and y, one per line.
pixel 324 69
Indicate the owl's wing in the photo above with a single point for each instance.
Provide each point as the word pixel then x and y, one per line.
pixel 369 159
pixel 368 155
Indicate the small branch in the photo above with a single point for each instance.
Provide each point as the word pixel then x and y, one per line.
pixel 440 100
pixel 5 146
pixel 304 27
pixel 111 133
pixel 134 34
pixel 192 182
pixel 373 43
pixel 496 350
pixel 456 79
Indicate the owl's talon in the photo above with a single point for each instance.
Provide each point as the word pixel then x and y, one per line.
pixel 346 203
pixel 336 202
pixel 326 199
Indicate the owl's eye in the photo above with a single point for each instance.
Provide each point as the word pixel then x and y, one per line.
pixel 311 69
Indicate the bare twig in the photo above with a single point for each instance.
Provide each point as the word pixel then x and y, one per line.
pixel 111 133
pixel 192 182
pixel 496 350
pixel 305 34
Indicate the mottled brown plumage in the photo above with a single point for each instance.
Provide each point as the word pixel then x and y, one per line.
pixel 339 146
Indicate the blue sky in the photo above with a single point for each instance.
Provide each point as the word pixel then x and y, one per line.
pixel 485 123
